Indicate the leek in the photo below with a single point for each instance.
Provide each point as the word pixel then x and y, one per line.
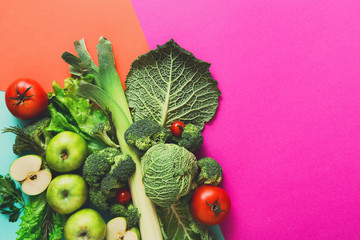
pixel 111 97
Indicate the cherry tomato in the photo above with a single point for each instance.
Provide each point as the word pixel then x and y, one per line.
pixel 25 98
pixel 177 128
pixel 210 204
pixel 123 196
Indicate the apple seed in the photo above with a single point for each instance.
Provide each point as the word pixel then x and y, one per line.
pixel 33 176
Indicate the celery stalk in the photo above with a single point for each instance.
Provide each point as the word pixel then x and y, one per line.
pixel 149 223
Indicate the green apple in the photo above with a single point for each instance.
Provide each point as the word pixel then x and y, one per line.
pixel 66 152
pixel 67 193
pixel 85 224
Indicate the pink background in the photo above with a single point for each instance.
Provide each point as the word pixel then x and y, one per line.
pixel 287 131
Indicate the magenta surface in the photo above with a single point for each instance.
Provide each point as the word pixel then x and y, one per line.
pixel 287 132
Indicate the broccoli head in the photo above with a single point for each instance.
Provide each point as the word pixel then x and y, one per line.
pixel 33 137
pixel 98 198
pixel 118 210
pixel 210 171
pixel 110 183
pixel 191 138
pixel 130 213
pixel 102 131
pixel 145 133
pixel 132 217
pixel 98 164
pixel 122 169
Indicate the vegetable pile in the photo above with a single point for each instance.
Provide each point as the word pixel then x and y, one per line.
pixel 129 155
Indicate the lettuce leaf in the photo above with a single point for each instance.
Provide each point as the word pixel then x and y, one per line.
pixel 40 221
pixel 169 84
pixel 69 112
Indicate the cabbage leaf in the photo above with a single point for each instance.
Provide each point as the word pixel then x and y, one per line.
pixel 177 223
pixel 169 84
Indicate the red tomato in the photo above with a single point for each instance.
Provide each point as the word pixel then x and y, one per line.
pixel 25 98
pixel 177 128
pixel 210 204
pixel 123 196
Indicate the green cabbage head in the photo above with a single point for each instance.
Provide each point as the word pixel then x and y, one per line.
pixel 168 173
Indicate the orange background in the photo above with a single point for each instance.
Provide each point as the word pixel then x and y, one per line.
pixel 34 35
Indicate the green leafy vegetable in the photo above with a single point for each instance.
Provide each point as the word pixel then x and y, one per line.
pixel 177 223
pixel 169 84
pixel 40 222
pixel 168 173
pixel 11 199
pixel 69 112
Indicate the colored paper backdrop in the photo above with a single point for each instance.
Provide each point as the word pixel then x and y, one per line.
pixel 287 130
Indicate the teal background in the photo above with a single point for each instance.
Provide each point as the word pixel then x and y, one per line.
pixel 7 229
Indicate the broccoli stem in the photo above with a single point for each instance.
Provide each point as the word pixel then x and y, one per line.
pixel 107 140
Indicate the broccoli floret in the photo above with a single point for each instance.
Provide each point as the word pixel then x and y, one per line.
pixel 118 210
pixel 33 137
pixel 102 131
pixel 145 133
pixel 123 168
pixel 110 183
pixel 191 138
pixel 98 198
pixel 210 171
pixel 132 217
pixel 98 164
pixel 130 213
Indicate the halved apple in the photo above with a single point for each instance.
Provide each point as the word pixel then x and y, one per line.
pixel 116 228
pixel 20 168
pixel 27 170
pixel 132 234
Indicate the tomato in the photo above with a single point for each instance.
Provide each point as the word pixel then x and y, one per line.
pixel 177 128
pixel 210 204
pixel 123 196
pixel 26 99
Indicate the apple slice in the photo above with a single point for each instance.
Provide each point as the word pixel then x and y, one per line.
pixel 37 182
pixel 132 234
pixel 20 168
pixel 27 170
pixel 116 228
